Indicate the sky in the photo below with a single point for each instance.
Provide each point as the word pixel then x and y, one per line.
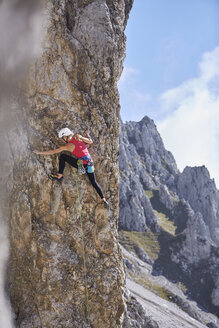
pixel 171 74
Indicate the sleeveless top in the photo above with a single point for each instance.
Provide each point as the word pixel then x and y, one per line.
pixel 80 149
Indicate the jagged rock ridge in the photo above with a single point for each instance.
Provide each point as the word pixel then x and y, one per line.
pixel 180 209
pixel 144 164
pixel 72 84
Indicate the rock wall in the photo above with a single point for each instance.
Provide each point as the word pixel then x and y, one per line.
pixel 20 22
pixel 66 268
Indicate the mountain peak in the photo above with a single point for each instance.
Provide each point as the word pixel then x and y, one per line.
pixel 181 208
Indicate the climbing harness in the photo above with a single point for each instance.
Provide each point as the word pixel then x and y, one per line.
pixel 83 251
pixel 90 165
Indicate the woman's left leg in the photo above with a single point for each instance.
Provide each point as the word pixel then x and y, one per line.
pixel 66 158
pixel 62 160
pixel 92 178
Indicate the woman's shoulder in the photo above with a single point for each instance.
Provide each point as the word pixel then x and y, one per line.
pixel 72 140
pixel 76 141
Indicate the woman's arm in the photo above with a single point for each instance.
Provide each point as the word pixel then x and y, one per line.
pixel 67 147
pixel 86 139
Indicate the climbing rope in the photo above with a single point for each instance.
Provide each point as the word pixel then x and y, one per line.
pixel 83 250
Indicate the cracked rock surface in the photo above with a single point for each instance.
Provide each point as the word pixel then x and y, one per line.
pixel 66 267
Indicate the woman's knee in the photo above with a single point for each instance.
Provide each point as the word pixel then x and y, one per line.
pixel 63 157
pixel 67 159
pixel 92 178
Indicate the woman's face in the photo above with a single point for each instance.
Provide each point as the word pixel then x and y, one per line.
pixel 64 139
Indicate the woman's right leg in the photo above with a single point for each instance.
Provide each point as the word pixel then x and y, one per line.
pixel 66 158
pixel 93 181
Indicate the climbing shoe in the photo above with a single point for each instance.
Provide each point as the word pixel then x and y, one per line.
pixel 54 176
pixel 81 169
pixel 106 204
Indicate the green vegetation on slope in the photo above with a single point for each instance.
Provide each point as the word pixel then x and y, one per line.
pixel 165 223
pixel 153 287
pixel 161 212
pixel 146 240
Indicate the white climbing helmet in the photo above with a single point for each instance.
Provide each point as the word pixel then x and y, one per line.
pixel 65 132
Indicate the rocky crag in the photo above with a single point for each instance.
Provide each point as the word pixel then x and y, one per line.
pixel 168 219
pixel 20 26
pixel 66 267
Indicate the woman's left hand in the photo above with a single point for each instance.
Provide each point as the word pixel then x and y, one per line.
pixel 78 137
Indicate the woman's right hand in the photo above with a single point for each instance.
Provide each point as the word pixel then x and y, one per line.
pixel 87 134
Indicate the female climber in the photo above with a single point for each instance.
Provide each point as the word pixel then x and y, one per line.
pixel 76 145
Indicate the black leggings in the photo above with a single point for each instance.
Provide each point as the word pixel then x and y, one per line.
pixel 73 162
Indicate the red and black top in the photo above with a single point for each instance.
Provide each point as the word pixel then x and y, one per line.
pixel 80 149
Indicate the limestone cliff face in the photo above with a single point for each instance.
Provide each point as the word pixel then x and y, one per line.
pixel 66 268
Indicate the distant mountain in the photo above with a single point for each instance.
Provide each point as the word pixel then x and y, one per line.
pixel 168 219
